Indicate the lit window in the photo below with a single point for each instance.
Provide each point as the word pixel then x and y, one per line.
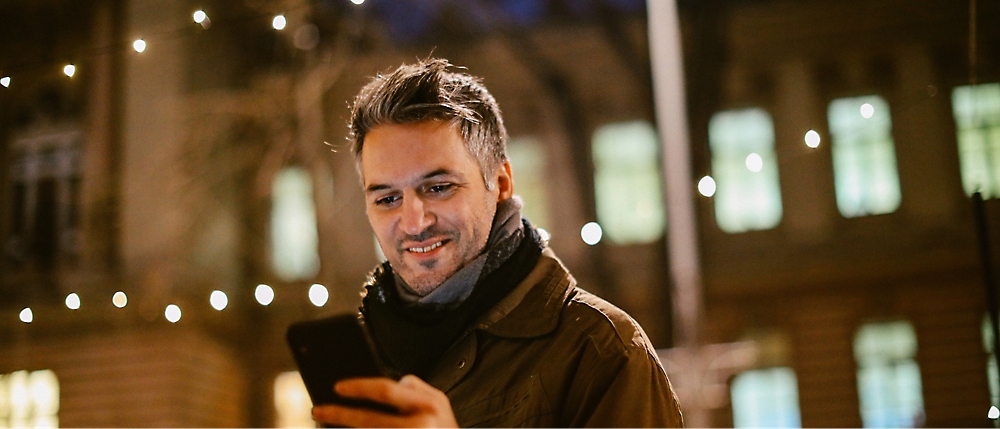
pixel 29 399
pixel 889 385
pixel 991 364
pixel 627 182
pixel 745 169
pixel 291 401
pixel 766 398
pixel 977 121
pixel 294 238
pixel 864 158
pixel 528 162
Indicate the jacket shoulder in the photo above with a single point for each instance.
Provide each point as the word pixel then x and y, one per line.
pixel 610 327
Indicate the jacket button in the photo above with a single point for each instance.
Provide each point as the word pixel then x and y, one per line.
pixel 461 363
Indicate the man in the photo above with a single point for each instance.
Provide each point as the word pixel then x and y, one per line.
pixel 484 318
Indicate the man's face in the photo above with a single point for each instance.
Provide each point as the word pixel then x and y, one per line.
pixel 426 200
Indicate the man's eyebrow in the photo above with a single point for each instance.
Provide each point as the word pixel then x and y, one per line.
pixel 436 173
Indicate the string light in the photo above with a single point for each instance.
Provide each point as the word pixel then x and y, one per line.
pixel 706 186
pixel 139 45
pixel 279 22
pixel 172 313
pixel 73 301
pixel 5 81
pixel 199 16
pixel 219 300
pixel 358 2
pixel 119 299
pixel 812 139
pixel 591 233
pixel 264 294
pixel 319 295
pixel 69 70
pixel 26 315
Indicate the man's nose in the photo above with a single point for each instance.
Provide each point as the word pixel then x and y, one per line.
pixel 416 218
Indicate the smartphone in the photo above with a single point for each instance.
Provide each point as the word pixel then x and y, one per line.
pixel 334 348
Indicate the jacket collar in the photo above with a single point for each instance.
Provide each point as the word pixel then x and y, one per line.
pixel 532 309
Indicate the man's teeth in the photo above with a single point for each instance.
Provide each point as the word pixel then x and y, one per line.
pixel 425 249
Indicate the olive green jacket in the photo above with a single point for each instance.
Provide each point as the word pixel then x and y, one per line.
pixel 552 355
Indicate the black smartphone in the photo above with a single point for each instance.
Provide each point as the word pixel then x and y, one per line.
pixel 333 348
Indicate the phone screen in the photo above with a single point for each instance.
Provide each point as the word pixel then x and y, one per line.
pixel 330 349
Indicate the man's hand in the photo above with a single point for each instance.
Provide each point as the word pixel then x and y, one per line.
pixel 419 404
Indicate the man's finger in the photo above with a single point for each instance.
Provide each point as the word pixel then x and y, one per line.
pixel 356 417
pixel 408 394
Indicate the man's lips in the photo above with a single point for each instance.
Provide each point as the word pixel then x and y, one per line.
pixel 421 249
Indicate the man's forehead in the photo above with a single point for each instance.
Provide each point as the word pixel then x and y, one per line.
pixel 400 154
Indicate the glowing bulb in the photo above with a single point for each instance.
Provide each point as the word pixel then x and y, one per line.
pixel 591 233
pixel 867 111
pixel 73 301
pixel 69 70
pixel 26 315
pixel 318 295
pixel 812 139
pixel 544 235
pixel 119 299
pixel 199 16
pixel 139 45
pixel 754 162
pixel 5 81
pixel 172 313
pixel 706 186
pixel 994 413
pixel 264 294
pixel 279 22
pixel 358 2
pixel 218 299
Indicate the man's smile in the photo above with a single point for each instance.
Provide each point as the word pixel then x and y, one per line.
pixel 426 249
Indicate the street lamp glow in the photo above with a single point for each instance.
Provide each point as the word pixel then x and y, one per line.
pixel 5 81
pixel 319 295
pixel 139 45
pixel 199 16
pixel 73 301
pixel 358 2
pixel 264 294
pixel 591 233
pixel 69 70
pixel 26 315
pixel 218 299
pixel 172 313
pixel 812 139
pixel 706 186
pixel 279 22
pixel 119 299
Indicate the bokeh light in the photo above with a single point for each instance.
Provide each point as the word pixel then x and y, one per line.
pixel 812 139
pixel 73 301
pixel 119 299
pixel 172 313
pixel 26 315
pixel 706 186
pixel 319 295
pixel 264 294
pixel 591 233
pixel 218 299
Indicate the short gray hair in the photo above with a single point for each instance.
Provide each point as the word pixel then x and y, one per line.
pixel 425 91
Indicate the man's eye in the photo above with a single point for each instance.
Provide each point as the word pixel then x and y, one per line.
pixel 437 189
pixel 385 201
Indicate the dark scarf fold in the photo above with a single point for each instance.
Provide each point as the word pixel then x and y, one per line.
pixel 412 337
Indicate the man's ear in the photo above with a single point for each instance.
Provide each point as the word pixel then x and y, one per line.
pixel 505 181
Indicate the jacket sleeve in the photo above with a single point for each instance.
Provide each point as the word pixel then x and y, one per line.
pixel 627 389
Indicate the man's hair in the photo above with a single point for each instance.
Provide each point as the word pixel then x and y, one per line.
pixel 425 91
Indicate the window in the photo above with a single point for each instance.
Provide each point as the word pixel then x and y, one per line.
pixel 864 158
pixel 627 182
pixel 528 162
pixel 29 399
pixel 766 398
pixel 745 169
pixel 977 121
pixel 294 237
pixel 888 376
pixel 44 198
pixel 291 401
